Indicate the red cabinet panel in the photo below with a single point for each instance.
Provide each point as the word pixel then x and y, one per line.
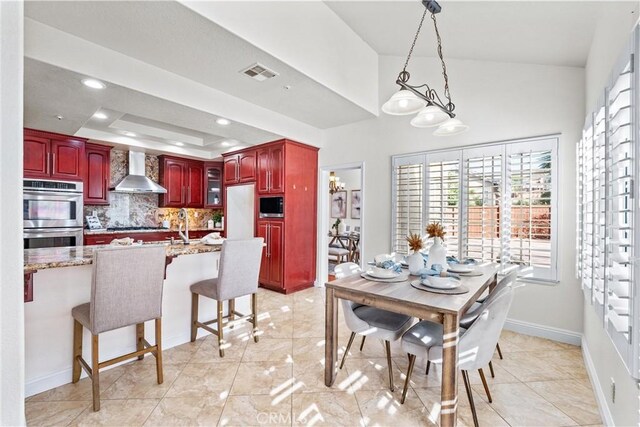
pixel 194 183
pixel 276 169
pixel 231 170
pixel 262 173
pixel 263 231
pixel 36 156
pixel 247 166
pixel 67 159
pixel 271 268
pixel 97 174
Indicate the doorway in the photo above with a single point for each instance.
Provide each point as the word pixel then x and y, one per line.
pixel 341 218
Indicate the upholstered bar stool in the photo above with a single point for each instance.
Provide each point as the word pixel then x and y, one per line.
pixel 126 290
pixel 238 276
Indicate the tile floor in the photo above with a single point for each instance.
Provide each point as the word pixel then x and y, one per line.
pixel 279 381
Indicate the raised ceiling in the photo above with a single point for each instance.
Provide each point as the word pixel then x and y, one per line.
pixel 158 124
pixel 535 32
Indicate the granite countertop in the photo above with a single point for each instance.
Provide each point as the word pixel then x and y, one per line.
pixel 43 258
pixel 158 230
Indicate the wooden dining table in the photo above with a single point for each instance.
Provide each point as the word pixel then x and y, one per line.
pixel 403 298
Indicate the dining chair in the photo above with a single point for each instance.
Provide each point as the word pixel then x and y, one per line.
pixel 472 314
pixel 370 321
pixel 126 290
pixel 340 254
pixel 475 347
pixel 238 276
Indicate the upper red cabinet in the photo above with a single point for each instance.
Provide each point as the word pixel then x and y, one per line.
pixel 240 167
pixel 55 156
pixel 97 174
pixel 271 169
pixel 184 181
pixel 213 184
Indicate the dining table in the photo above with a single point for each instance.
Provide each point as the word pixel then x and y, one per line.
pixel 402 297
pixel 348 241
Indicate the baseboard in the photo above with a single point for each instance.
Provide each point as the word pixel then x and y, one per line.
pixel 57 379
pixel 605 413
pixel 536 330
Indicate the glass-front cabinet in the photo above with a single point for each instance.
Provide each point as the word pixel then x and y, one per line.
pixel 213 180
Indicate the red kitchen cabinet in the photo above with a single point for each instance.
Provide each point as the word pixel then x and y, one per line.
pixel 270 171
pixel 183 180
pixel 289 258
pixel 213 189
pixel 271 268
pixel 54 156
pixel 240 167
pixel 97 174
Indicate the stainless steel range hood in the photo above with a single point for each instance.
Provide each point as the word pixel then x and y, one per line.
pixel 136 181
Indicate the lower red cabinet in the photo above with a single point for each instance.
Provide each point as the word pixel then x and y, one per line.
pixel 271 268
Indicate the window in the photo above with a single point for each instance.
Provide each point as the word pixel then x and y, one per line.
pixel 497 202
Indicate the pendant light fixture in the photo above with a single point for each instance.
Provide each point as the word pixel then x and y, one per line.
pixel 422 99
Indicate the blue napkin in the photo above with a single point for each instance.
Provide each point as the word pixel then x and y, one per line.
pixel 391 265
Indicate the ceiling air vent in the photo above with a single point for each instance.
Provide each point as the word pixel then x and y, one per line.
pixel 259 72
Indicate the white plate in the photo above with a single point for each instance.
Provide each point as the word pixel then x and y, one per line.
pixel 382 273
pixel 460 268
pixel 441 282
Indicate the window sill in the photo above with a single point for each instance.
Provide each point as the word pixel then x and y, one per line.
pixel 545 282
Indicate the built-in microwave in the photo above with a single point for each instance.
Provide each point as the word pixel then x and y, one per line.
pixel 272 207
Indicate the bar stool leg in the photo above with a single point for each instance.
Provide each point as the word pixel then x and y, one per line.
pixel 95 372
pixel 194 316
pixel 232 309
pixel 158 354
pixel 254 317
pixel 140 338
pixel 77 350
pixel 220 328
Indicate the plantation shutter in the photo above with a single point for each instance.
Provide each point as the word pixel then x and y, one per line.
pixel 408 201
pixel 585 208
pixel 531 175
pixel 620 204
pixel 443 196
pixel 599 198
pixel 482 200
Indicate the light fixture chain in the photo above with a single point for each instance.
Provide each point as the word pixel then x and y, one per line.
pixel 414 41
pixel 444 66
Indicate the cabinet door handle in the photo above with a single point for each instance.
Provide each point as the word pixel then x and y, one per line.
pixel 268 240
pixel 269 181
pixel 100 241
pixel 189 195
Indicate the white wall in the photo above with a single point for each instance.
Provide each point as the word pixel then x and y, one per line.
pixel 11 257
pixel 612 34
pixel 499 101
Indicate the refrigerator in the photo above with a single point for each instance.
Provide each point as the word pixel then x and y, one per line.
pixel 240 215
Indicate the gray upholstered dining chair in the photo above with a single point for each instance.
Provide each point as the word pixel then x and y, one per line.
pixel 126 290
pixel 238 276
pixel 472 314
pixel 475 348
pixel 370 321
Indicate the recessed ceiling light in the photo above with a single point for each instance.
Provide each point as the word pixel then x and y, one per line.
pixel 99 115
pixel 59 117
pixel 179 144
pixel 225 143
pixel 222 122
pixel 93 83
pixel 126 132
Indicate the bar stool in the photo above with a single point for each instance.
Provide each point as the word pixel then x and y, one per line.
pixel 238 276
pixel 126 290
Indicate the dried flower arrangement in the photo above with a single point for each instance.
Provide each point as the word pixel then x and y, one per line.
pixel 435 229
pixel 415 241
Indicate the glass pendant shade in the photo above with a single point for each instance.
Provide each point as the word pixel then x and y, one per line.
pixel 429 116
pixel 403 102
pixel 451 127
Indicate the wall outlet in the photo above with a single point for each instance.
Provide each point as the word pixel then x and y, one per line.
pixel 195 214
pixel 613 391
pixel 94 213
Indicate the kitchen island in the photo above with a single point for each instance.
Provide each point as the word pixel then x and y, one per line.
pixel 60 279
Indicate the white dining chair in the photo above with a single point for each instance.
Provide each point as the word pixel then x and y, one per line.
pixel 472 314
pixel 475 347
pixel 370 321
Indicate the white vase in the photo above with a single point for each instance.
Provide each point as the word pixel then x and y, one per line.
pixel 341 227
pixel 437 254
pixel 415 262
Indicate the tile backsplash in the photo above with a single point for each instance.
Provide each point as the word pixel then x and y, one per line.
pixel 139 210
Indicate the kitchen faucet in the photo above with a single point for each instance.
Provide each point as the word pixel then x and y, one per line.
pixel 182 215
